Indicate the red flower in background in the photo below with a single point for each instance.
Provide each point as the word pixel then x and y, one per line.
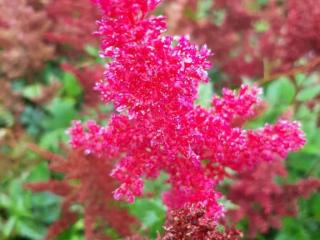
pixel 73 23
pixel 249 39
pixel 264 202
pixel 190 223
pixel 21 29
pixel 86 182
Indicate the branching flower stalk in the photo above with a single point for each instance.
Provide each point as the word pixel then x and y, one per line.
pixel 152 82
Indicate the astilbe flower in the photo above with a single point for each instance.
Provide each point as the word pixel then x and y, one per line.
pixel 241 49
pixel 21 29
pixel 86 182
pixel 190 223
pixel 152 82
pixel 263 201
pixel 301 30
pixel 229 39
pixel 73 24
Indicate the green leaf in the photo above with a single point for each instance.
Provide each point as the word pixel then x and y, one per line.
pixel 46 206
pixel 39 173
pixel 261 26
pixel 32 119
pixel 30 229
pixel 203 8
pixel 9 226
pixel 292 229
pixel 32 91
pixel 71 87
pixel 91 50
pixel 157 186
pixel 308 93
pixel 227 203
pixel 280 92
pixel 15 189
pixel 262 2
pixel 151 212
pixel 62 113
pixel 6 117
pixel 52 139
pixel 205 94
pixel 5 201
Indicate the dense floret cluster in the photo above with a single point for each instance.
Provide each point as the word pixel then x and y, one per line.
pixel 152 81
pixel 190 223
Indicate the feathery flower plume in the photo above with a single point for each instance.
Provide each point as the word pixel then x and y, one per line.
pixel 152 81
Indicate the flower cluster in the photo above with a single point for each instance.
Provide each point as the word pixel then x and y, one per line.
pixel 152 81
pixel 73 24
pixel 190 223
pixel 251 39
pixel 21 28
pixel 301 29
pixel 264 202
pixel 85 183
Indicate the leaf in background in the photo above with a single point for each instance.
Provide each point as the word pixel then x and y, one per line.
pixel 62 112
pixel 308 93
pixel 92 51
pixel 281 92
pixel 32 91
pixel 8 227
pixel 5 201
pixel 158 186
pixel 51 139
pixel 6 118
pixel 205 94
pixel 45 205
pixel 261 26
pixel 39 173
pixel 71 87
pixel 151 213
pixel 31 229
pixel 203 8
pixel 75 232
pixel 32 118
pixel 292 230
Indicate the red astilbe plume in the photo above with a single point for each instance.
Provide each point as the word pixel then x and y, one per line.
pixel 152 82
pixel 21 29
pixel 263 201
pixel 86 182
pixel 243 51
pixel 190 223
pixel 74 23
pixel 301 30
pixel 230 39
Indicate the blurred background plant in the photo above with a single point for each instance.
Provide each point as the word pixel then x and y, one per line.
pixel 49 62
